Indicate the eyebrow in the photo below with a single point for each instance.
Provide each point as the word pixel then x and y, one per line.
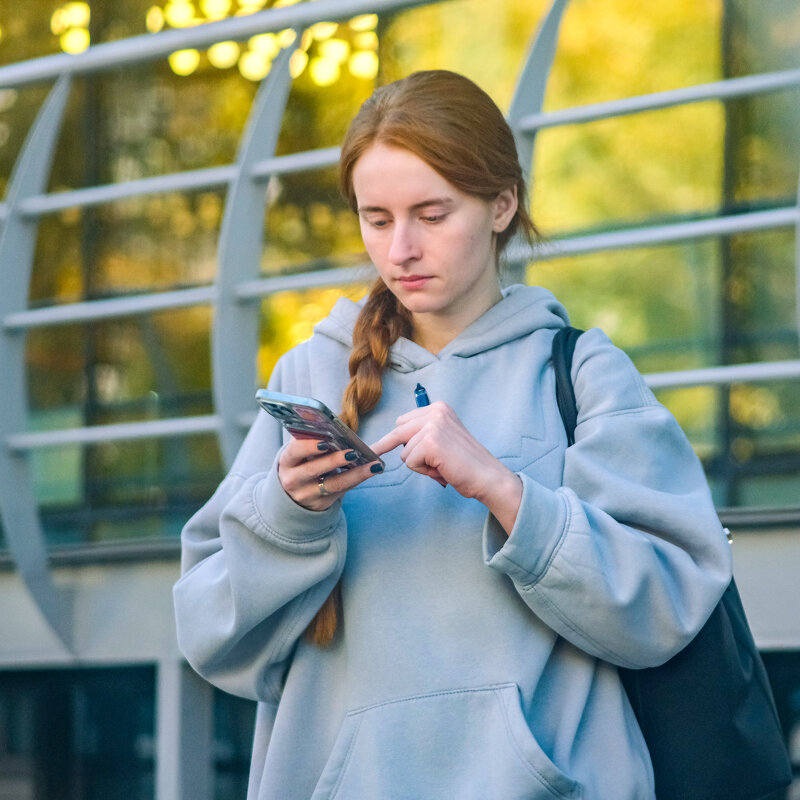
pixel 434 201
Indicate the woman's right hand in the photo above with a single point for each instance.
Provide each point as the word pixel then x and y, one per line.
pixel 304 469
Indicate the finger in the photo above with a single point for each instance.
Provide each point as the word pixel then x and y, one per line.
pixel 318 492
pixel 388 442
pixel 323 463
pixel 296 451
pixel 399 435
pixel 416 455
pixel 343 482
pixel 438 409
pixel 430 472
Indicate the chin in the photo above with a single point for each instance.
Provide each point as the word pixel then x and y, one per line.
pixel 417 304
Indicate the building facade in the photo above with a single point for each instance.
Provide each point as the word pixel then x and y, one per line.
pixel 170 225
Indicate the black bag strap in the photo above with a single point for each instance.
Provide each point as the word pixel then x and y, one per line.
pixel 563 349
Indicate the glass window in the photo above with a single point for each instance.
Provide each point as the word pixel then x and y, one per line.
pixel 234 723
pixel 783 668
pixel 77 734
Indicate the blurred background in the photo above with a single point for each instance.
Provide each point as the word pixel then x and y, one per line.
pixel 140 310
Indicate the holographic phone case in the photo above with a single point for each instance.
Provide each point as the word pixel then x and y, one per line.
pixel 306 418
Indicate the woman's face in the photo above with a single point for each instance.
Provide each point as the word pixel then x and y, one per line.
pixel 432 244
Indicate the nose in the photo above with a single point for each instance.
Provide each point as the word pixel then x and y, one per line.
pixel 405 245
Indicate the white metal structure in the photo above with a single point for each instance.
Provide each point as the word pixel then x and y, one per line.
pixel 68 618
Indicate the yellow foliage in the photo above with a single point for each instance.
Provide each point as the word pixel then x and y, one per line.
pixel 290 317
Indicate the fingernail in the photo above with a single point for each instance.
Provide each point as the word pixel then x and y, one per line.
pixel 322 445
pixel 376 468
pixel 351 455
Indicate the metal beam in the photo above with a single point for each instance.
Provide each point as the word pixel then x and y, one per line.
pixel 723 376
pixel 653 235
pixel 728 89
pixel 234 334
pixel 149 47
pixel 18 505
pixel 184 734
pixel 119 432
pixel 529 92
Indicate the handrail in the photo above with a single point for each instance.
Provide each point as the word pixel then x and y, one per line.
pixel 728 89
pixel 148 47
pixel 94 310
pixel 651 235
pixel 117 432
pixel 212 177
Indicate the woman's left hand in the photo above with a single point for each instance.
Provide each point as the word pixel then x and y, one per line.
pixel 438 445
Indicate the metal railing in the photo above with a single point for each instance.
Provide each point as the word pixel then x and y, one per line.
pixel 239 285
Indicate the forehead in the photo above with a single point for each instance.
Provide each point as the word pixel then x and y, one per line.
pixel 385 175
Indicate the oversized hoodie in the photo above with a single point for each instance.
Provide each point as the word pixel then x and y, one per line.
pixel 468 664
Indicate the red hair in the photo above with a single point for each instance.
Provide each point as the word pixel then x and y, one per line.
pixel 457 129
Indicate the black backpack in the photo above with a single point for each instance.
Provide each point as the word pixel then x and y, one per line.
pixel 707 715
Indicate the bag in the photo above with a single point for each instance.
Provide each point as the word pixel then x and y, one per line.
pixel 707 715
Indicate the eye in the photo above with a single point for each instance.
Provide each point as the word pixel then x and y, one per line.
pixel 433 218
pixel 375 221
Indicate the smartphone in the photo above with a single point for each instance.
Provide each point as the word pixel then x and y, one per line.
pixel 306 418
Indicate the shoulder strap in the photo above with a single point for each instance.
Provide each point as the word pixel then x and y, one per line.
pixel 563 349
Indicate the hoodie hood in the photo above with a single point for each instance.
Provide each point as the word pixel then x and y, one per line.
pixel 522 310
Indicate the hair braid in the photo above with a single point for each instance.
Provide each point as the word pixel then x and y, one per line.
pixel 382 321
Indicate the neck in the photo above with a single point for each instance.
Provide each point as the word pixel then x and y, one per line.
pixel 435 331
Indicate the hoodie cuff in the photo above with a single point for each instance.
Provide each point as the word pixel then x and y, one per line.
pixel 277 517
pixel 526 553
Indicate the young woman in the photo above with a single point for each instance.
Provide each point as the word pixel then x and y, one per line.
pixel 450 626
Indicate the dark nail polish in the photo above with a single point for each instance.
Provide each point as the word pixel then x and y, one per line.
pixel 351 455
pixel 322 446
pixel 376 468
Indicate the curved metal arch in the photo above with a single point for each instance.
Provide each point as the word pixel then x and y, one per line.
pixel 529 92
pixel 527 100
pixel 18 506
pixel 234 336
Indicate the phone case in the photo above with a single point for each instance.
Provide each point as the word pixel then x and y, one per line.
pixel 307 418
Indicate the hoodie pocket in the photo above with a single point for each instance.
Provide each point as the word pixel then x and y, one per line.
pixel 470 744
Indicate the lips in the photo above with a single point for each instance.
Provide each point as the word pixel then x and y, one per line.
pixel 413 281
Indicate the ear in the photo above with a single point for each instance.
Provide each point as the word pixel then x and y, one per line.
pixel 505 206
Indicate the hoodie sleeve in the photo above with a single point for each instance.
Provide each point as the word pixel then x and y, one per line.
pixel 628 558
pixel 255 569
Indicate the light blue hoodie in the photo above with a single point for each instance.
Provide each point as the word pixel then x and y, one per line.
pixel 468 665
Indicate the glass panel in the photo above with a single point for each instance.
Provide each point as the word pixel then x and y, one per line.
pixel 133 368
pixel 77 734
pixel 18 109
pixel 629 170
pixel 671 309
pixel 151 243
pixel 122 490
pixel 234 723
pixel 620 49
pixel 308 225
pixel 288 318
pixel 763 150
pixel 682 306
pixel 659 304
